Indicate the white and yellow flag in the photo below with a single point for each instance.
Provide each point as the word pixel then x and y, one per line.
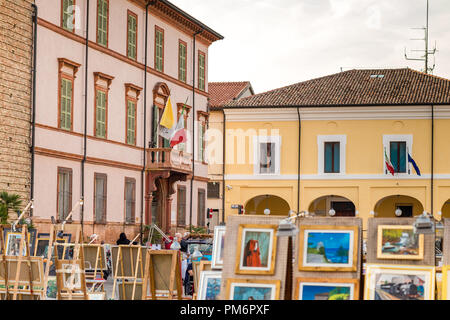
pixel 167 124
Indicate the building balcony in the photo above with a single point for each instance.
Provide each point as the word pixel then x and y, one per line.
pixel 169 159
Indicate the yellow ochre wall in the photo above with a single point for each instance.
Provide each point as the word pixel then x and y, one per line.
pixel 364 156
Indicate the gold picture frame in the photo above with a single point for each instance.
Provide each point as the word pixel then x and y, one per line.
pixel 325 265
pixel 327 282
pixel 390 282
pixel 265 259
pixel 404 256
pixel 274 285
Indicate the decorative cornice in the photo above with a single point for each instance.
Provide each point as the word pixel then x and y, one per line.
pixel 338 113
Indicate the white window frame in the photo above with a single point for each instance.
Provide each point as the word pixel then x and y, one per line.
pixel 321 139
pixel 387 138
pixel 257 140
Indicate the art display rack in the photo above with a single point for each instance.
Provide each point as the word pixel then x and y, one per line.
pixel 70 292
pixel 94 255
pixel 162 276
pixel 20 276
pixel 128 267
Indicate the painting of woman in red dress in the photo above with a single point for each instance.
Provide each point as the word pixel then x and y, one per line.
pixel 252 256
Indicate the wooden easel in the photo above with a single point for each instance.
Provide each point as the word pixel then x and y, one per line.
pixel 22 277
pixel 163 274
pixel 133 270
pixel 94 254
pixel 71 292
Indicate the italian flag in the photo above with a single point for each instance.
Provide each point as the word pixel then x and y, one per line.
pixel 179 135
pixel 389 165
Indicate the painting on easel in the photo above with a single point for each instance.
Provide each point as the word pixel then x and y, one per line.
pixel 12 241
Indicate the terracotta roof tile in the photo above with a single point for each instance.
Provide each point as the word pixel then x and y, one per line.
pixel 356 87
pixel 223 92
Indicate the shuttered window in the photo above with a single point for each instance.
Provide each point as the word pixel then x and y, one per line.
pixel 102 22
pixel 159 49
pixel 131 122
pixel 100 198
pixel 181 206
pixel 132 36
pixel 130 200
pixel 68 16
pixel 66 104
pixel 201 70
pixel 182 61
pixel 201 214
pixel 100 114
pixel 64 193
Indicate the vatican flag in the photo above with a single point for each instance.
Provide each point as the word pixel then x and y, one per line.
pixel 167 124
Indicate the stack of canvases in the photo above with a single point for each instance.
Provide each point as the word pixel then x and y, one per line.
pixel 254 259
pixel 328 259
pixel 400 263
pixel 210 271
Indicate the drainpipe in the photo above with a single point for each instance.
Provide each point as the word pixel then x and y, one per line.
pixel 33 103
pixel 193 129
pixel 298 168
pixel 145 123
pixel 432 158
pixel 85 116
pixel 223 164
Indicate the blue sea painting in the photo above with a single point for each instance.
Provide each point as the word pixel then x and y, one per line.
pixel 212 288
pixel 328 247
pixel 252 293
pixel 315 292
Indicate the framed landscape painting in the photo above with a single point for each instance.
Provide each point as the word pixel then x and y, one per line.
pixel 218 246
pixel 399 282
pixel 326 289
pixel 328 248
pixel 256 249
pixel 246 289
pixel 399 242
pixel 209 285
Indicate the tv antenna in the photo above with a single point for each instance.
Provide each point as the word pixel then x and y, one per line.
pixel 426 52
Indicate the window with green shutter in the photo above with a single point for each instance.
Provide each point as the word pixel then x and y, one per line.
pixel 100 114
pixel 102 22
pixel 65 117
pixel 132 36
pixel 182 61
pixel 131 122
pixel 67 15
pixel 159 49
pixel 201 142
pixel 201 71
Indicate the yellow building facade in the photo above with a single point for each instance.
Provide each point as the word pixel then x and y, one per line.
pixel 329 158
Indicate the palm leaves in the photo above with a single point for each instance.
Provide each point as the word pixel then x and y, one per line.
pixel 8 203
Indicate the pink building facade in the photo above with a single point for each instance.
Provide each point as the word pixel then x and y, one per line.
pixel 96 138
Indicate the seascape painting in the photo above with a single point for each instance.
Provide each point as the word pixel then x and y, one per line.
pixel 325 247
pixel 399 242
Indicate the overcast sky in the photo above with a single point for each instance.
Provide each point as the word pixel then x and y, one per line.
pixel 273 43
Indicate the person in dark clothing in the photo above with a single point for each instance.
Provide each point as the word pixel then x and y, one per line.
pixel 123 239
